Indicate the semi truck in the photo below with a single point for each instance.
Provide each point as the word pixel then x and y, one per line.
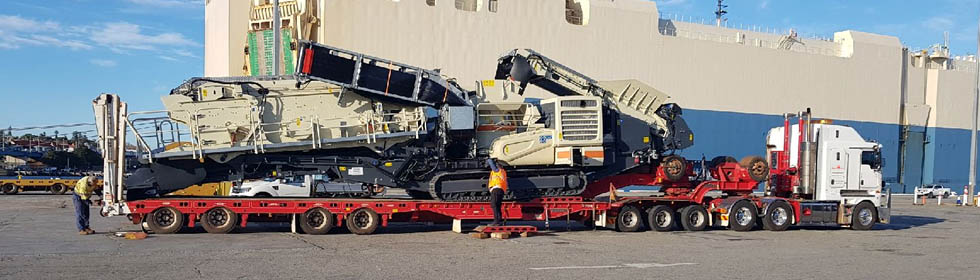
pixel 395 125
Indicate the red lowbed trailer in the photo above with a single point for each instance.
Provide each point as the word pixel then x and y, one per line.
pixel 809 185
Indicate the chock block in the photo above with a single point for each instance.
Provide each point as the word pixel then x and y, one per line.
pixel 500 235
pixel 480 235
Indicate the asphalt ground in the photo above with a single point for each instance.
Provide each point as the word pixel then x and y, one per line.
pixel 38 241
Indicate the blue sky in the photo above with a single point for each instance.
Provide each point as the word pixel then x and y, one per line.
pixel 59 55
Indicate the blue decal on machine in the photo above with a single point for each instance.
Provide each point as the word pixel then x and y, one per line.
pixel 544 139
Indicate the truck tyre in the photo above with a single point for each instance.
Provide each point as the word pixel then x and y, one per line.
pixel 743 216
pixel 316 221
pixel 219 220
pixel 757 166
pixel 629 219
pixel 363 221
pixel 675 168
pixel 694 218
pixel 778 216
pixel 58 189
pixel 864 216
pixel 9 189
pixel 662 218
pixel 165 220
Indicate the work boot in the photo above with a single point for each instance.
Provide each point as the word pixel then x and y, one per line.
pixel 83 232
pixel 90 231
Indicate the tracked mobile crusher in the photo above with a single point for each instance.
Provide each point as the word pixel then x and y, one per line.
pixel 374 123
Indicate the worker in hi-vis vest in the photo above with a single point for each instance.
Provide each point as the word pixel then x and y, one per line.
pixel 498 186
pixel 83 190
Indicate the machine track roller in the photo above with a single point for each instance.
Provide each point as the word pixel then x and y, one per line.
pixel 58 189
pixel 778 216
pixel 757 166
pixel 864 216
pixel 219 220
pixel 694 217
pixel 165 220
pixel 630 219
pixel 743 216
pixel 675 167
pixel 363 221
pixel 316 221
pixel 662 218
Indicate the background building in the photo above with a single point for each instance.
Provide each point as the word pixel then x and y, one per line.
pixel 730 81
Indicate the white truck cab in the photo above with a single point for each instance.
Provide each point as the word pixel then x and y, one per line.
pixel 833 172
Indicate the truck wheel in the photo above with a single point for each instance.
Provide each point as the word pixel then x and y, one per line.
pixel 629 219
pixel 316 221
pixel 694 218
pixel 662 218
pixel 363 221
pixel 9 189
pixel 58 189
pixel 743 216
pixel 675 168
pixel 165 220
pixel 778 216
pixel 757 166
pixel 864 216
pixel 219 220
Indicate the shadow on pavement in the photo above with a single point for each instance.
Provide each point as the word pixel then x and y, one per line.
pixel 899 222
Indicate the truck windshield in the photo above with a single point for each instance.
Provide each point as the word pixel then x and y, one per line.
pixel 871 158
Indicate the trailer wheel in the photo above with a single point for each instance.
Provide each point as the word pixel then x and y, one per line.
pixel 674 167
pixel 363 221
pixel 743 216
pixel 662 218
pixel 757 166
pixel 778 216
pixel 864 216
pixel 629 219
pixel 694 218
pixel 9 189
pixel 219 220
pixel 58 189
pixel 165 220
pixel 316 221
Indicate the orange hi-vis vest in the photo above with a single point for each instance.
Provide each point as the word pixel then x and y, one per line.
pixel 498 179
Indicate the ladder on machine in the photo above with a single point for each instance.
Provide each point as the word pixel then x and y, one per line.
pixel 110 122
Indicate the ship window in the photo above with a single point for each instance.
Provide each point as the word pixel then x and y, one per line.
pixel 838 156
pixel 837 132
pixel 469 5
pixel 430 2
pixel 492 6
pixel 577 12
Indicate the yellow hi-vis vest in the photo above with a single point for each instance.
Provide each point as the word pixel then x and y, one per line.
pixel 498 179
pixel 82 189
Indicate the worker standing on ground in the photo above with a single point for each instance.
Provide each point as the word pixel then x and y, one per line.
pixel 498 186
pixel 83 190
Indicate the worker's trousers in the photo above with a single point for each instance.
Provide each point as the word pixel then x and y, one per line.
pixel 496 199
pixel 81 212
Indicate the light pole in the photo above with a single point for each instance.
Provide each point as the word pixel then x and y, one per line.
pixel 973 129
